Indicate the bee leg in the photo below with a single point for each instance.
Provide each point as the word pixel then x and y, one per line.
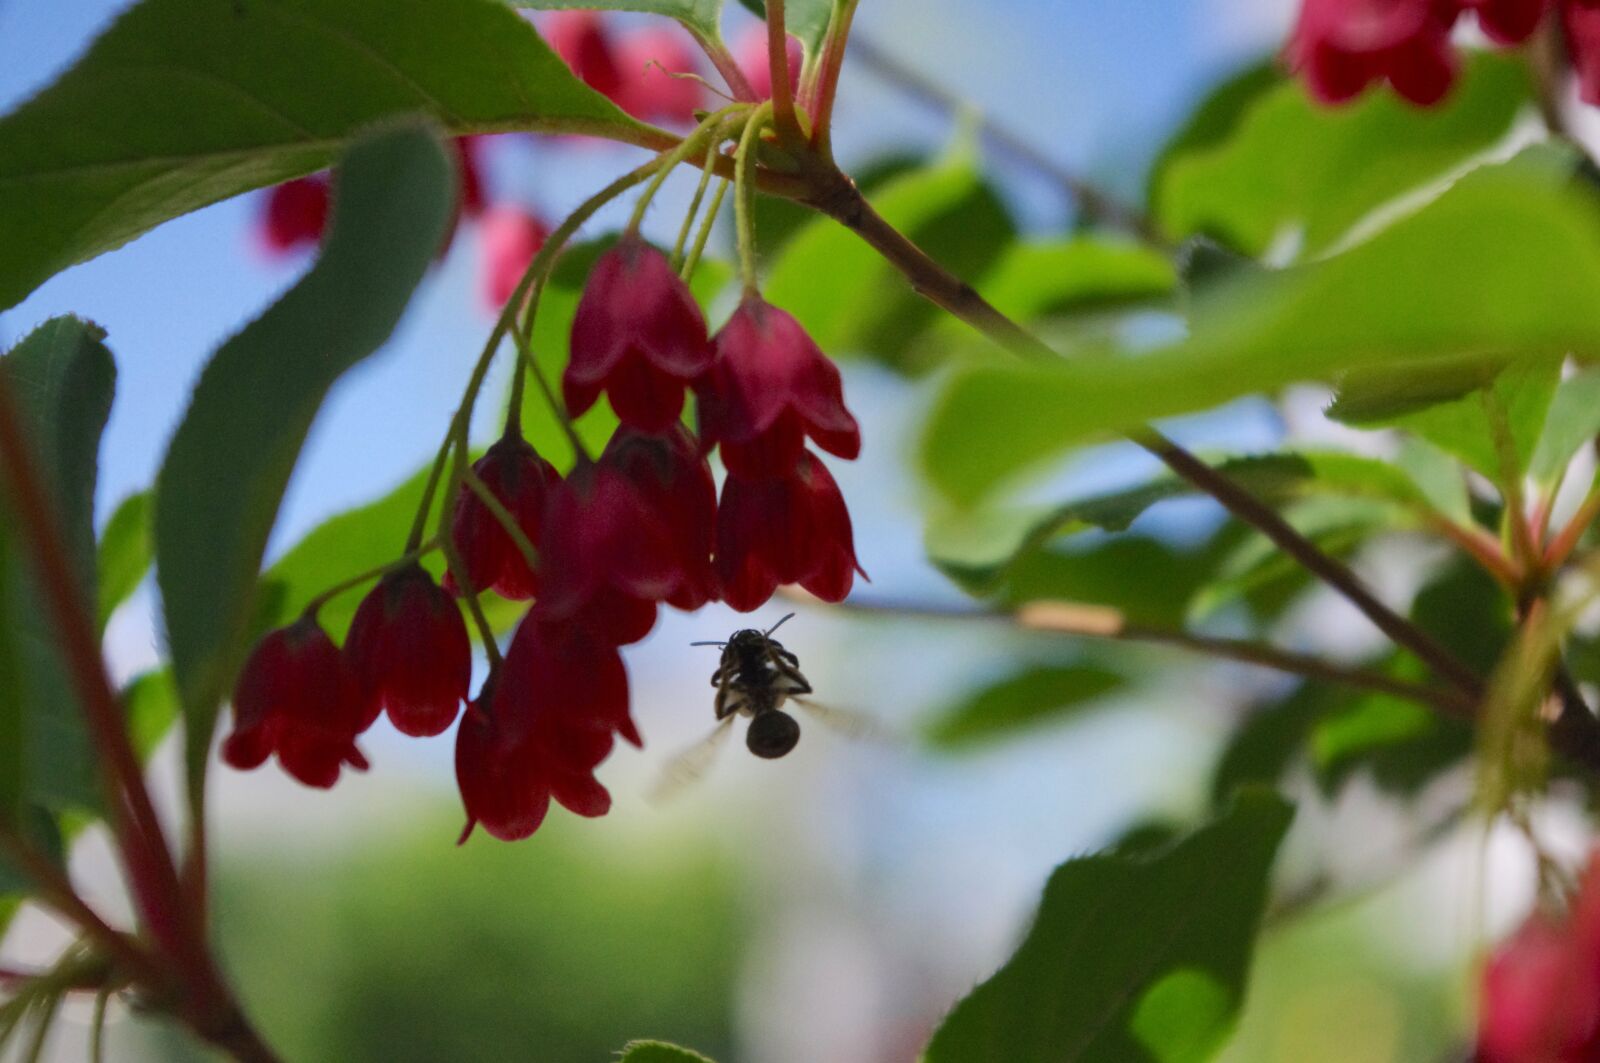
pixel 716 678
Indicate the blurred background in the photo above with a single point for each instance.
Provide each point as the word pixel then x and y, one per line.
pixel 830 906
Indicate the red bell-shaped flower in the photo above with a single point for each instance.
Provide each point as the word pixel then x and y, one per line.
pixel 409 649
pixel 769 388
pixel 784 529
pixel 511 237
pixel 1581 20
pixel 637 335
pixel 648 60
pixel 609 558
pixel 469 168
pixel 1342 46
pixel 515 474
pixel 297 697
pixel 496 774
pixel 1541 988
pixel 295 214
pixel 1509 21
pixel 580 39
pixel 674 481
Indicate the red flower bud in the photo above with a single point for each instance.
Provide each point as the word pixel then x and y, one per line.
pixel 638 335
pixel 511 237
pixel 410 652
pixel 674 482
pixel 1581 19
pixel 495 775
pixel 470 169
pixel 515 474
pixel 768 389
pixel 1541 988
pixel 295 214
pixel 1342 46
pixel 580 39
pixel 754 59
pixel 541 729
pixel 608 556
pixel 297 697
pixel 784 529
pixel 1509 21
pixel 647 61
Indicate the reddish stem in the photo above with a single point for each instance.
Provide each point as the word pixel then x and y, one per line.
pixel 1566 540
pixel 829 68
pixel 783 118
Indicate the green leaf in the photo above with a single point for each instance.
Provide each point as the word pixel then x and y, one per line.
pixel 703 16
pixel 1292 165
pixel 1218 115
pixel 253 93
pixel 1438 284
pixel 1270 739
pixel 1573 421
pixel 805 19
pixel 1130 959
pixel 659 1052
pixel 1020 701
pixel 1040 279
pixel 151 704
pixel 1144 579
pixel 1459 405
pixel 977 548
pixel 219 489
pixel 63 378
pixel 855 303
pixel 124 553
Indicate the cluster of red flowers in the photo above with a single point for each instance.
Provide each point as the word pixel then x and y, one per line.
pixel 641 72
pixel 1343 46
pixel 618 536
pixel 1541 989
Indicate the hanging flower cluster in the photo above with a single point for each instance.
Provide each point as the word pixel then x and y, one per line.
pixel 1343 46
pixel 596 551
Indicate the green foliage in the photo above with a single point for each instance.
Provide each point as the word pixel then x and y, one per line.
pixel 1438 284
pixel 1216 119
pixel 224 475
pixel 251 94
pixel 1271 162
pixel 852 301
pixel 124 554
pixel 658 1052
pixel 62 377
pixel 151 704
pixel 978 548
pixel 702 16
pixel 1020 701
pixel 1493 426
pixel 1130 959
pixel 1573 420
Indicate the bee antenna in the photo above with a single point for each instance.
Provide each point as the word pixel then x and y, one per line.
pixel 708 643
pixel 780 623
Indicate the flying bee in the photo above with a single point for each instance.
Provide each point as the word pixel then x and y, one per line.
pixel 757 677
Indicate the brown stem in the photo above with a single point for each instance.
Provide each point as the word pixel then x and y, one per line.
pixel 132 815
pixel 1092 202
pixel 56 892
pixel 831 65
pixel 783 118
pixel 837 196
pixel 723 60
pixel 1567 539
pixel 1103 622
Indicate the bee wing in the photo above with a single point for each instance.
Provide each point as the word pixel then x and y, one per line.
pixel 685 769
pixel 848 723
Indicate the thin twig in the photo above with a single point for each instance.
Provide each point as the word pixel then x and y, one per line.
pixel 1103 622
pixel 1092 203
